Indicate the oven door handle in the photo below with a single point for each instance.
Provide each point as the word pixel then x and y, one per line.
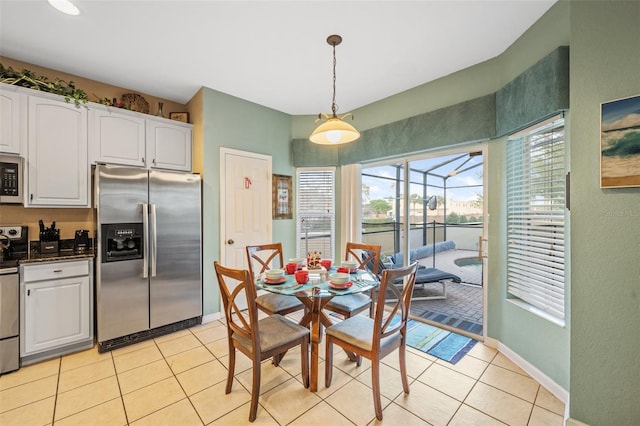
pixel 145 242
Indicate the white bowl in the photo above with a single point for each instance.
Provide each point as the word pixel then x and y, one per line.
pixel 349 264
pixel 339 278
pixel 298 260
pixel 274 274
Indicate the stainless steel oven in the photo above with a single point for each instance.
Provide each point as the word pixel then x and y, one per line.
pixel 11 189
pixel 14 244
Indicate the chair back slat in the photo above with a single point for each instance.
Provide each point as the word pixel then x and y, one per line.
pixel 385 323
pixel 238 284
pixel 263 257
pixel 367 256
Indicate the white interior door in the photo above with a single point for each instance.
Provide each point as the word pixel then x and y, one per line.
pixel 245 196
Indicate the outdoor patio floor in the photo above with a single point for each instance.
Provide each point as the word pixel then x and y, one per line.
pixel 462 309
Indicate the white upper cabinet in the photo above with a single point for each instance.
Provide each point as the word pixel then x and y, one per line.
pixel 57 158
pixel 117 138
pixel 125 137
pixel 10 122
pixel 168 145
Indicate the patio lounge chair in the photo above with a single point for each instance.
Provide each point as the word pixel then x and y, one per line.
pixel 424 276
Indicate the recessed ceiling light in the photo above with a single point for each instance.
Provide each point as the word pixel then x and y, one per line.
pixel 65 6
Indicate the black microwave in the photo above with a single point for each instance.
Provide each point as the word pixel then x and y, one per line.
pixel 11 190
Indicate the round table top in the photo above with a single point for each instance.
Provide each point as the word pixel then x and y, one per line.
pixel 318 285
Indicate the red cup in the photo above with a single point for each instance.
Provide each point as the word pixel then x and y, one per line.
pixel 291 268
pixel 302 276
pixel 326 263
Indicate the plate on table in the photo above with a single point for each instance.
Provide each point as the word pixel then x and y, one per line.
pixel 347 270
pixel 340 286
pixel 277 281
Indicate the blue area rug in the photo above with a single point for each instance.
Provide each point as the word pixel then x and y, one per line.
pixel 437 342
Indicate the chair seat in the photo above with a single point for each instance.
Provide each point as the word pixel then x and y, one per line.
pixel 275 330
pixel 358 331
pixel 349 302
pixel 277 302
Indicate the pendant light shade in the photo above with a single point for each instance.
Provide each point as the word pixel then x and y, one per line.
pixel 334 130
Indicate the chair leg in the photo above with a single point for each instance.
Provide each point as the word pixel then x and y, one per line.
pixel 403 366
pixel 232 367
pixel 304 349
pixel 328 363
pixel 375 383
pixel 277 358
pixel 255 390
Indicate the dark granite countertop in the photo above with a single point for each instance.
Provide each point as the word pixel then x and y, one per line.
pixel 61 255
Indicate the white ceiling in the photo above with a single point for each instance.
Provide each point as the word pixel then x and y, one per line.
pixel 273 53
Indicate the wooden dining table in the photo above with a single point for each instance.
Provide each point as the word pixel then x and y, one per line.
pixel 315 294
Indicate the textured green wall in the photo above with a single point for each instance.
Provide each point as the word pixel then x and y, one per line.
pixel 605 235
pixel 238 124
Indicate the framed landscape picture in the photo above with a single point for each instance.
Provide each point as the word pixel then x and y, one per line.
pixel 620 143
pixel 282 197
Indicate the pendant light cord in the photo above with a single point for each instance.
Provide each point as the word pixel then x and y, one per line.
pixel 334 107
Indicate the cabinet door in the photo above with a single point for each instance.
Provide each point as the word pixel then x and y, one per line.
pixel 57 154
pixel 117 138
pixel 57 313
pixel 10 122
pixel 168 146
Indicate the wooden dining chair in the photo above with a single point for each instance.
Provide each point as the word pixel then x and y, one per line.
pixel 257 339
pixel 368 258
pixel 374 338
pixel 261 258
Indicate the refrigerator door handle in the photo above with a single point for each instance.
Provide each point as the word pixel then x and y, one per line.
pixel 154 239
pixel 145 242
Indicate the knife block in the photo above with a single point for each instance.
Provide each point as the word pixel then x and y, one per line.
pixel 48 247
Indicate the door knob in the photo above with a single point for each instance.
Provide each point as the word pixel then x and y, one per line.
pixel 230 241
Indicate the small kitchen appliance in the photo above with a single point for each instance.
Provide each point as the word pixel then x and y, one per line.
pixel 11 179
pixel 14 245
pixel 81 241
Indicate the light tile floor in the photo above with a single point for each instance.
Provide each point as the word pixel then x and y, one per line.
pixel 179 379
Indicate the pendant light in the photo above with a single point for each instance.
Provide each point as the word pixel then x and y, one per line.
pixel 334 130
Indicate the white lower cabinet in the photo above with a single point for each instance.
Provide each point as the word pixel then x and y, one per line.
pixel 57 308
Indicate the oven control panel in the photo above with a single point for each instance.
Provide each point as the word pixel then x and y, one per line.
pixel 12 232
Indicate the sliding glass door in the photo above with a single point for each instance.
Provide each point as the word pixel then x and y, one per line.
pixel 431 209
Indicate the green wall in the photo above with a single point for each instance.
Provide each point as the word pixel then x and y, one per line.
pixel 605 235
pixel 234 123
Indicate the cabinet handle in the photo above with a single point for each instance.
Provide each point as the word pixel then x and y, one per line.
pixel 154 161
pixel 143 159
pixel 29 292
pixel 31 197
pixel 57 270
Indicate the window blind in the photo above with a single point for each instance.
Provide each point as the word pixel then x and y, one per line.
pixel 536 218
pixel 315 219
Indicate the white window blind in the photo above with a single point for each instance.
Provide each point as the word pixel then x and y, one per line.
pixel 315 201
pixel 536 218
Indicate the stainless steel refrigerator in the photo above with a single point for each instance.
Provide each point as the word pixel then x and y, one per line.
pixel 149 257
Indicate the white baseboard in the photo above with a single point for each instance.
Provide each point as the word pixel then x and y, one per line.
pixel 211 317
pixel 557 390
pixel 574 422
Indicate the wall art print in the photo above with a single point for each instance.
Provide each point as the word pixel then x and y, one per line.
pixel 282 197
pixel 620 143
